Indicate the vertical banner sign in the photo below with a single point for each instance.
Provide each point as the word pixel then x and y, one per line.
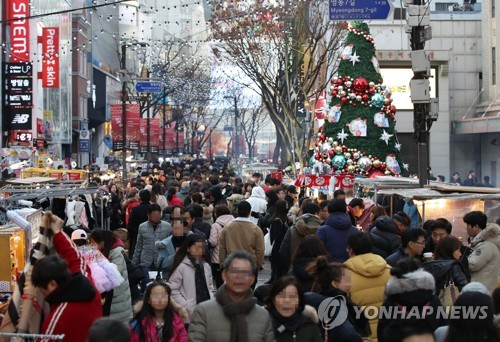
pixel 50 57
pixel 133 126
pixel 143 127
pixel 155 132
pixel 17 11
pixel 116 126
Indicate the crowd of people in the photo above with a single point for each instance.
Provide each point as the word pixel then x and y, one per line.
pixel 187 264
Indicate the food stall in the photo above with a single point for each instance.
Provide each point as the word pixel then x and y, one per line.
pixel 436 199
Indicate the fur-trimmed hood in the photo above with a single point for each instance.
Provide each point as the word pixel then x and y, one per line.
pixel 413 281
pixel 311 314
pixel 307 224
pixel 491 233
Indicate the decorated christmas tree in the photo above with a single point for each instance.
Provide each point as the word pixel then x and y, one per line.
pixel 358 136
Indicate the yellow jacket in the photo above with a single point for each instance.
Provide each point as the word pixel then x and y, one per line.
pixel 369 275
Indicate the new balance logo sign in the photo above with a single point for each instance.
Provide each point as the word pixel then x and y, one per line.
pixel 20 119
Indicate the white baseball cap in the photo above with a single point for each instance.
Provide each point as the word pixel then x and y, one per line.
pixel 79 234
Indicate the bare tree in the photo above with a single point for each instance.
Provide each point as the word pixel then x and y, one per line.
pixel 253 118
pixel 289 50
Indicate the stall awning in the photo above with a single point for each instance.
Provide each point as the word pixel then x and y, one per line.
pixel 477 125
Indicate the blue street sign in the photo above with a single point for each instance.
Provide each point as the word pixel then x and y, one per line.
pixel 228 128
pixel 84 145
pixel 360 9
pixel 149 87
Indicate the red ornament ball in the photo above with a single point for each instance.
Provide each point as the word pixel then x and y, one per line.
pixel 360 84
pixel 375 173
pixel 393 110
pixel 322 137
pixel 317 157
pixel 365 97
pixel 335 92
pixel 344 99
pixel 331 153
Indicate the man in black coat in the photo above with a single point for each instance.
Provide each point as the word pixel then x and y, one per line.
pixel 138 215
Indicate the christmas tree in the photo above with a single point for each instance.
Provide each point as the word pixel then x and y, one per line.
pixel 359 136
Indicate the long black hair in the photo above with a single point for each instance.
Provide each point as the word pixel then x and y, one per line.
pixel 479 328
pixel 280 212
pixel 147 311
pixel 191 239
pixel 107 237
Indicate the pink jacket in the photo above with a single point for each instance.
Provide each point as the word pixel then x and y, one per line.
pixel 215 233
pixel 180 334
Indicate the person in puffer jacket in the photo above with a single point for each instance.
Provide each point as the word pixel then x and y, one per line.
pixel 484 260
pixel 446 266
pixel 336 231
pixel 112 248
pixel 306 224
pixel 386 237
pixel 410 289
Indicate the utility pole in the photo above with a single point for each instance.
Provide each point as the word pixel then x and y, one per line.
pixel 425 109
pixel 124 110
pixel 164 118
pixel 236 136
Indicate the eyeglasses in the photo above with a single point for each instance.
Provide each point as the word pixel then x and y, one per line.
pixel 242 273
pixel 420 242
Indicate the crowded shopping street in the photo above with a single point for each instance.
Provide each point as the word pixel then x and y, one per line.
pixel 249 171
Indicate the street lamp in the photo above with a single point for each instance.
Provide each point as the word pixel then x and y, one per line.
pixel 236 143
pixel 123 66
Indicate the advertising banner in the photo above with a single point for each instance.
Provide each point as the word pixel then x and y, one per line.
pixel 50 57
pixel 19 29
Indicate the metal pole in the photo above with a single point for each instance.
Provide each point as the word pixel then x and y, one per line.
pixel 236 142
pixel 124 109
pixel 164 118
pixel 420 111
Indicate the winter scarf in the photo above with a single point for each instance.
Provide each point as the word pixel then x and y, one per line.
pixel 200 281
pixel 291 323
pixel 236 312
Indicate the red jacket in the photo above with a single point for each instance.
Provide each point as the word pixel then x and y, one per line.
pixel 175 201
pixel 74 306
pixel 180 334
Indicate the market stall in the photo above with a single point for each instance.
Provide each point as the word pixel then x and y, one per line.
pixel 437 199
pixel 61 174
pixel 23 197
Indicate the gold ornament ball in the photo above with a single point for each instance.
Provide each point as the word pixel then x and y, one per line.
pixel 376 163
pixel 335 144
pixel 338 149
pixel 387 172
pixel 347 155
pixel 351 168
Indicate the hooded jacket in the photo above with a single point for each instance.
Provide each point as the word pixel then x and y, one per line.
pixel 78 298
pixel 444 271
pixel 369 275
pixel 305 225
pixel 414 289
pixel 257 200
pixel 334 235
pixel 385 236
pixel 215 234
pixel 484 260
